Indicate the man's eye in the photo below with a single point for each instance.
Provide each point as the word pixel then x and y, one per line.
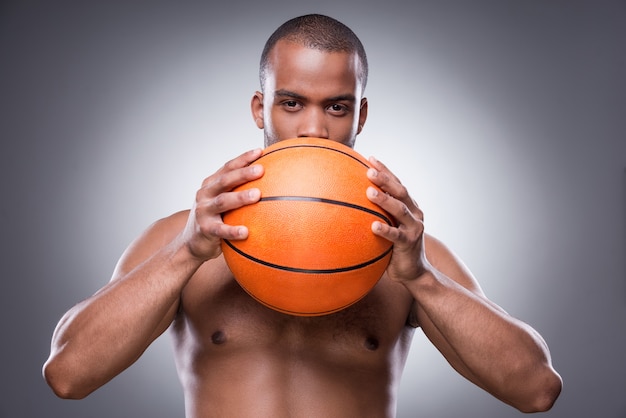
pixel 338 108
pixel 291 105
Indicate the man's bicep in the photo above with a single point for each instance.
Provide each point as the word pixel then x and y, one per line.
pixel 449 264
pixel 153 239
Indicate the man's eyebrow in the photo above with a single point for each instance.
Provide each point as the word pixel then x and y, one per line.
pixel 343 98
pixel 287 93
pixel 294 95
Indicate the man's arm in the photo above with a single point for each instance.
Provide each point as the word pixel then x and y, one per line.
pixel 497 352
pixel 103 335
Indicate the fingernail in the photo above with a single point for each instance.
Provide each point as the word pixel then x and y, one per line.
pixel 372 192
pixel 254 194
pixel 372 173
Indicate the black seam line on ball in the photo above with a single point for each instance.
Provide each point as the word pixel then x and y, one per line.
pixel 327 201
pixel 315 146
pixel 308 271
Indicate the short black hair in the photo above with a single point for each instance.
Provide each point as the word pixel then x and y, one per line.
pixel 319 32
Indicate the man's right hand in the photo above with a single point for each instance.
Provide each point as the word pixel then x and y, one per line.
pixel 205 228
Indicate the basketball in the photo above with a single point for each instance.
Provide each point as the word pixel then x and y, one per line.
pixel 310 249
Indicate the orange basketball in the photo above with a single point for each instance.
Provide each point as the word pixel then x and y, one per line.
pixel 310 248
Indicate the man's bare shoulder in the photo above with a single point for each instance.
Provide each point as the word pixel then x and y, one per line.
pixel 156 236
pixel 444 259
pixel 170 225
pixel 163 230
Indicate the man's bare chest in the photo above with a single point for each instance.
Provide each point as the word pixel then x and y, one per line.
pixel 218 313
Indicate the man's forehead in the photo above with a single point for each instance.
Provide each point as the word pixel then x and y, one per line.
pixel 293 67
pixel 284 93
pixel 291 54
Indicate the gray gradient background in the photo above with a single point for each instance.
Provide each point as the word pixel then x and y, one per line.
pixel 505 119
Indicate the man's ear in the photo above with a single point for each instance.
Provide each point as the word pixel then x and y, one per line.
pixel 256 105
pixel 362 114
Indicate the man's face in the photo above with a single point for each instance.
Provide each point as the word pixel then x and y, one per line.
pixel 310 93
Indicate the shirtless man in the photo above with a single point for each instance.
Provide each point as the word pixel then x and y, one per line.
pixel 237 358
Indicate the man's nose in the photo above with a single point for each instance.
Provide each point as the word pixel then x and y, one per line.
pixel 313 124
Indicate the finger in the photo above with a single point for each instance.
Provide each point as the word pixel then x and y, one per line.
pixel 209 205
pixel 396 208
pixel 380 175
pixel 236 171
pixel 390 184
pixel 208 214
pixel 229 232
pixel 386 231
pixel 226 181
pixel 379 166
pixel 401 236
pixel 244 159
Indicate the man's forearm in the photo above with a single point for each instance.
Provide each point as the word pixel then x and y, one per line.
pixel 499 353
pixel 103 335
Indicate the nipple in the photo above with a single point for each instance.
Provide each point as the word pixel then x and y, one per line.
pixel 371 343
pixel 218 338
